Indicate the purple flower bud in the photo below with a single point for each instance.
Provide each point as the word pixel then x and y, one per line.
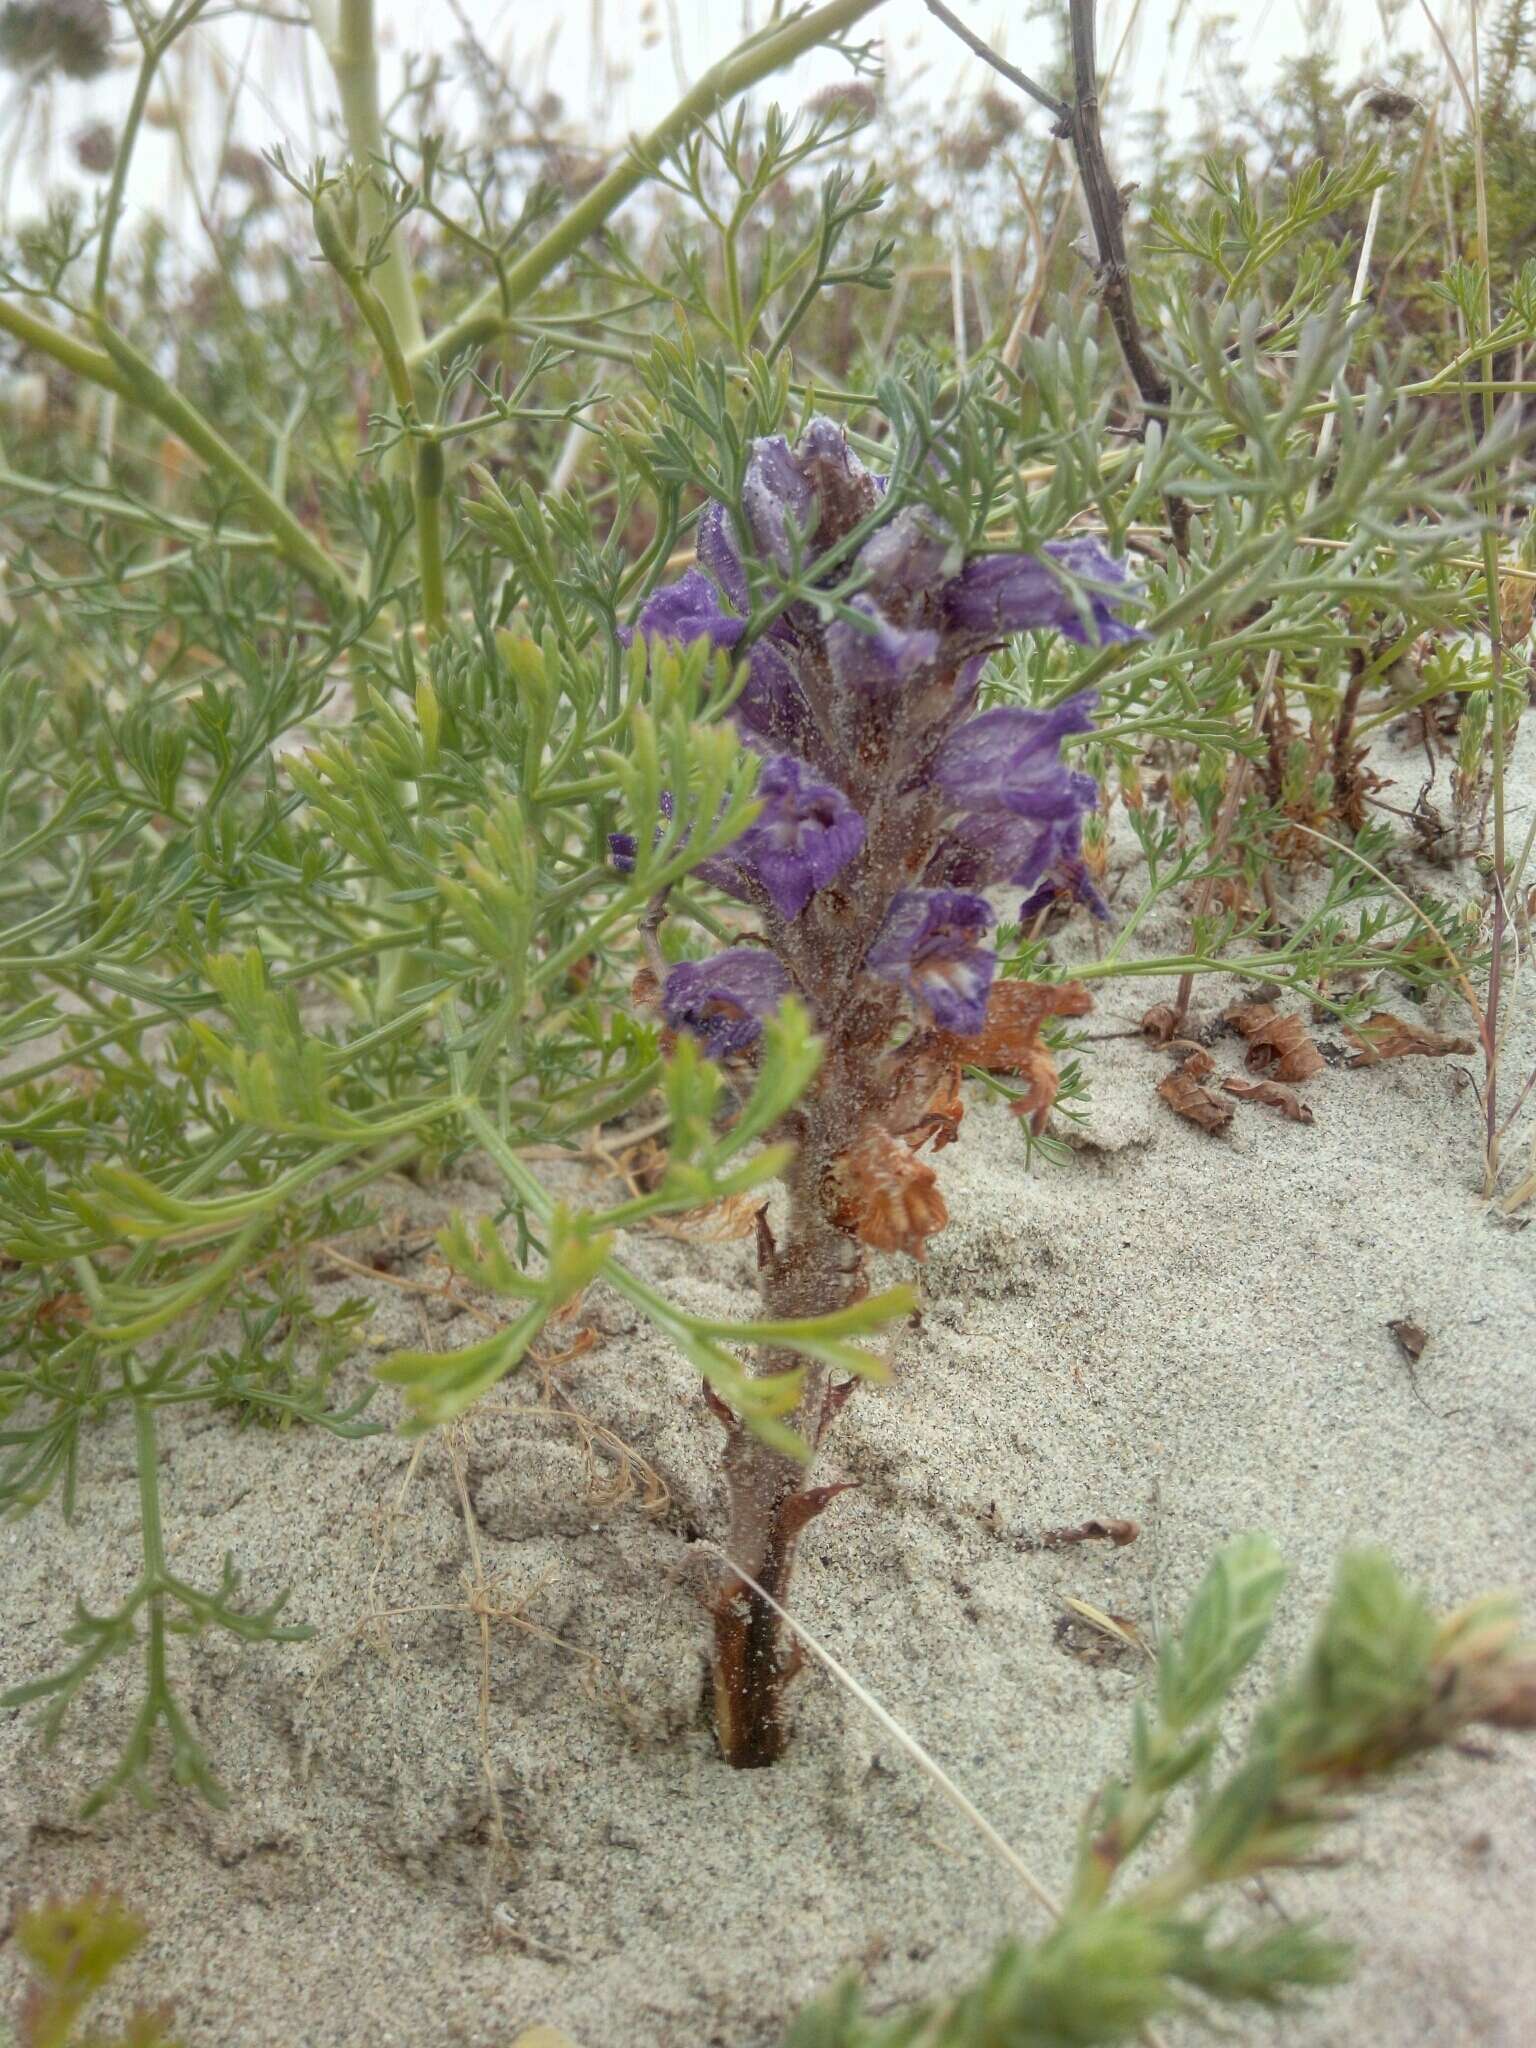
pixel 930 944
pixel 996 595
pixel 776 500
pixel 722 1001
pixel 807 834
pixel 881 657
pixel 1009 759
pixel 772 707
pixel 719 556
pixel 908 556
pixel 845 491
pixel 685 611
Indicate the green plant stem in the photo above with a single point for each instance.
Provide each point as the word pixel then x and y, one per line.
pixel 67 350
pixel 152 1540
pixel 155 44
pixel 755 59
pixel 347 31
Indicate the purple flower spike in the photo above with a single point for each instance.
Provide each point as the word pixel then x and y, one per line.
pixel 775 498
pixel 880 659
pixel 722 1002
pixel 1009 759
pixel 931 945
pixel 685 611
pixel 807 834
pixel 996 595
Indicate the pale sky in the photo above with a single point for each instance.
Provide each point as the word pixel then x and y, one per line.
pixel 618 64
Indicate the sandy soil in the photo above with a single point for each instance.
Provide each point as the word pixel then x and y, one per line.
pixel 1186 1330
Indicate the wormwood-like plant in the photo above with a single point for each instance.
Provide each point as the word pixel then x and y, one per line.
pixel 1385 1682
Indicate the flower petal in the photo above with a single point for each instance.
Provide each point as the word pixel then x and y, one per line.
pixel 776 500
pixel 719 556
pixel 722 1001
pixel 1010 759
pixel 685 611
pixel 996 595
pixel 880 658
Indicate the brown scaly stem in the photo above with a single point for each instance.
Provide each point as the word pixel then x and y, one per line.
pixel 817 1269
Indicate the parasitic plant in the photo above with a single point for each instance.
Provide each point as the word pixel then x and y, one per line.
pixel 888 803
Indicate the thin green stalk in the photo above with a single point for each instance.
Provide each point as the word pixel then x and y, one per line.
pixel 155 44
pixel 67 350
pixel 757 58
pixel 347 31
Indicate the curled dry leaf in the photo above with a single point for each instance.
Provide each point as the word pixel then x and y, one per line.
pixel 1385 1037
pixel 1194 1059
pixel 1009 1042
pixel 886 1196
pixel 1273 1095
pixel 1189 1097
pixel 1280 1047
pixel 1119 1532
pixel 1160 1023
pixel 719 1222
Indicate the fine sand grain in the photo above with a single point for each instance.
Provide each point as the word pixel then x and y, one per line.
pixel 1187 1330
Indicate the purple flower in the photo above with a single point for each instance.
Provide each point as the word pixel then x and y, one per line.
pixel 843 488
pixel 722 1001
pixel 807 833
pixel 986 847
pixel 996 595
pixel 1009 759
pixel 772 706
pixel 880 658
pixel 908 556
pixel 930 944
pixel 686 611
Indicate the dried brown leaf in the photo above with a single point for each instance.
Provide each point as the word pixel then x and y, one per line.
pixel 886 1196
pixel 1278 1046
pixel 1411 1338
pixel 1119 1532
pixel 1009 1042
pixel 1385 1037
pixel 719 1222
pixel 1195 1060
pixel 1160 1023
pixel 1273 1095
pixel 1190 1098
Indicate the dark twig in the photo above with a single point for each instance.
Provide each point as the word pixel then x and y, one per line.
pixel 988 55
pixel 1077 122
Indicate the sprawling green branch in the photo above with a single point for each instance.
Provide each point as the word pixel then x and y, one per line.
pixel 757 58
